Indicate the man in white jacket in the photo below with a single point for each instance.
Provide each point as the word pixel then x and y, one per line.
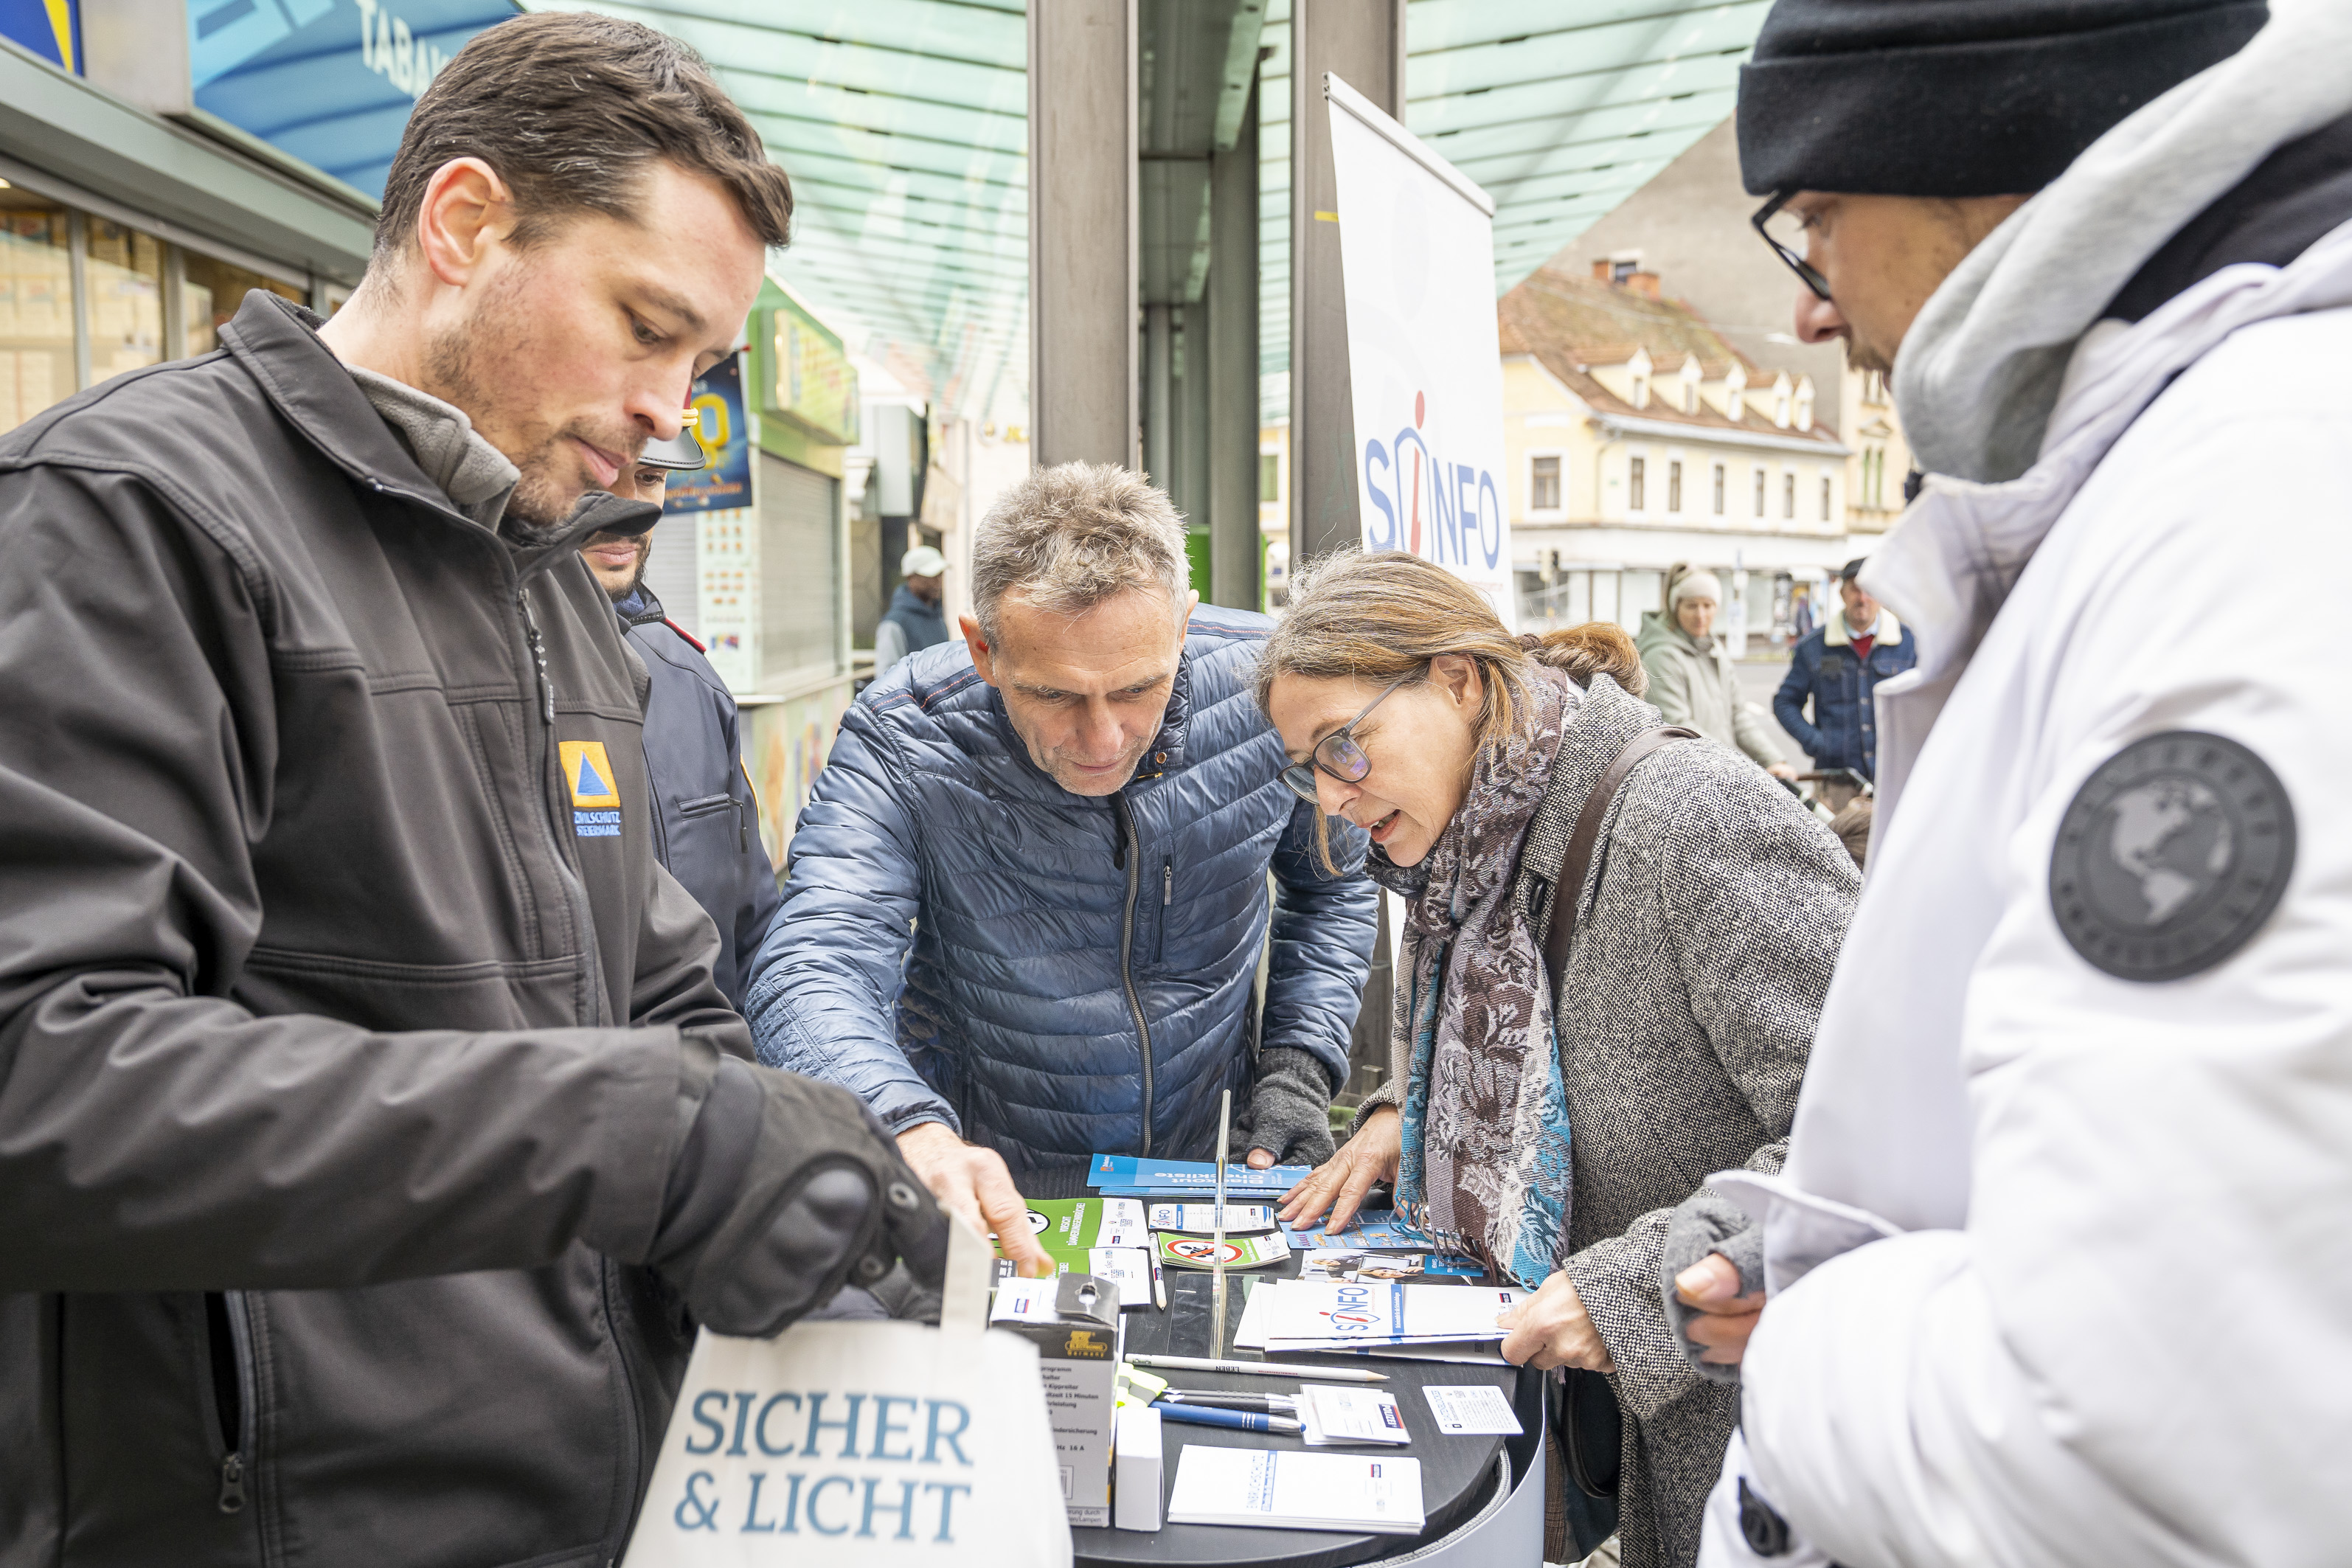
pixel 2060 1267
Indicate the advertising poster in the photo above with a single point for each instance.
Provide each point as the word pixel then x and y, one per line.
pixel 1417 250
pixel 725 437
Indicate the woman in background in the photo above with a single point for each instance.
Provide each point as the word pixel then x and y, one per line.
pixel 1552 1131
pixel 1692 680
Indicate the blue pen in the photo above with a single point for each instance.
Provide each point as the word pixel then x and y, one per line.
pixel 1239 1420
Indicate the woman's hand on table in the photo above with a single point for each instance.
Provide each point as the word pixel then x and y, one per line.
pixel 1339 1184
pixel 1552 1328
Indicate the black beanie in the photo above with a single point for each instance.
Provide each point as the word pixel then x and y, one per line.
pixel 1961 98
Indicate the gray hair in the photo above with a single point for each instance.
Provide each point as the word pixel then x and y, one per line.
pixel 1068 537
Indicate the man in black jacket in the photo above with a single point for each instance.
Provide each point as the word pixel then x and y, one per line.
pixel 706 819
pixel 367 1109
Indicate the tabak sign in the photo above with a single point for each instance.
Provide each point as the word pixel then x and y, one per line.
pixel 1417 253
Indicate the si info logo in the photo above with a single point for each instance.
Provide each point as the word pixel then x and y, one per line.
pixel 1446 513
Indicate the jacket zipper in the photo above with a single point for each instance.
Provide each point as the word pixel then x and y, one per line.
pixel 1128 854
pixel 543 769
pixel 632 1441
pixel 235 1418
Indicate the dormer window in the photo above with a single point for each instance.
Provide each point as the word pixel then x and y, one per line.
pixel 1782 400
pixel 1805 404
pixel 1692 376
pixel 1639 368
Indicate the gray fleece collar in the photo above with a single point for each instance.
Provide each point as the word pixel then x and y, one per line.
pixel 1980 370
pixel 474 474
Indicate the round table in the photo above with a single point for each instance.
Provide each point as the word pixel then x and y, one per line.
pixel 1458 1474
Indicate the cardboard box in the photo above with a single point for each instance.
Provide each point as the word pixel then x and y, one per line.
pixel 1135 1494
pixel 1074 1322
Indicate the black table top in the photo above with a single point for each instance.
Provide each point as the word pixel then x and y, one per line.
pixel 1455 1470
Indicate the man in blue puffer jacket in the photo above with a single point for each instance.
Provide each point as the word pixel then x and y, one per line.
pixel 1838 668
pixel 1068 819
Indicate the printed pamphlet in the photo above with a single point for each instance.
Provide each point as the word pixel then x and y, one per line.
pixel 1279 1489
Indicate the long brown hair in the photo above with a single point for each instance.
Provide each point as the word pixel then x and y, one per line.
pixel 1382 617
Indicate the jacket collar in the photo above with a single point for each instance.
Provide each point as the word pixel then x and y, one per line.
pixel 278 344
pixel 639 608
pixel 1885 633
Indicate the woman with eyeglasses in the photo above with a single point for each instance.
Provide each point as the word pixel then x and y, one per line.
pixel 1564 1071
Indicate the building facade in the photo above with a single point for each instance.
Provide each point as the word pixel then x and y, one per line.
pixel 1639 438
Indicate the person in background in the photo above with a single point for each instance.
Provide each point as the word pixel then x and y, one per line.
pixel 1029 891
pixel 1550 1129
pixel 1692 681
pixel 2059 1272
pixel 1836 670
pixel 705 818
pixel 917 618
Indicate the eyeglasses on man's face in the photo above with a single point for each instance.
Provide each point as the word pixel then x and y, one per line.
pixel 1784 231
pixel 1336 754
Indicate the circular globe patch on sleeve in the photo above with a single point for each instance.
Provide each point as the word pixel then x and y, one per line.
pixel 2172 854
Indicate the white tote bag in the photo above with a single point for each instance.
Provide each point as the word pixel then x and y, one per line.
pixel 883 1445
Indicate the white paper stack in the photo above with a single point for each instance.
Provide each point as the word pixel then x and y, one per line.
pixel 1333 1415
pixel 1318 1315
pixel 1282 1490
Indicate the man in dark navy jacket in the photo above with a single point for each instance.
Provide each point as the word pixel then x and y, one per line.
pixel 1838 667
pixel 1029 892
pixel 706 819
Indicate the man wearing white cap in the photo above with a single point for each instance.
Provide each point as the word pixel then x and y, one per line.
pixel 916 619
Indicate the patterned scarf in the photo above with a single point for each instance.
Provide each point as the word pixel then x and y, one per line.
pixel 1485 1167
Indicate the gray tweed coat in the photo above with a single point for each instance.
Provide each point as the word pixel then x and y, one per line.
pixel 1708 924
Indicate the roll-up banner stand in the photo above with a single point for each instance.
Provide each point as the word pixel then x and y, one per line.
pixel 1417 254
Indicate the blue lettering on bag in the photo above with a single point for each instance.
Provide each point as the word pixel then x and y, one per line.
pixel 718 1428
pixel 817 1492
pixel 904 1508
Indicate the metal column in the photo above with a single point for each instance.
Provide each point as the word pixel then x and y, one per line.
pixel 1159 398
pixel 1233 367
pixel 1363 42
pixel 1082 268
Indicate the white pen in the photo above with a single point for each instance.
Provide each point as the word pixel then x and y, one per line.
pixel 1258 1368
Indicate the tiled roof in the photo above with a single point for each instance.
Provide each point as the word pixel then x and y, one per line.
pixel 1569 324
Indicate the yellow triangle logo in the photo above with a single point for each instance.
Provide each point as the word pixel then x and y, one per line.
pixel 588 770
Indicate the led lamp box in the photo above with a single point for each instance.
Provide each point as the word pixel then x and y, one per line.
pixel 1074 1322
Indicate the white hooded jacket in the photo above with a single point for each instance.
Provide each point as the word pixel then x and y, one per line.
pixel 2062 1262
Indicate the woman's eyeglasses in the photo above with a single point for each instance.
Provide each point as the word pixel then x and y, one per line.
pixel 1336 754
pixel 1782 231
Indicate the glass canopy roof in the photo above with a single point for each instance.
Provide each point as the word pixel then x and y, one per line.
pixel 903 126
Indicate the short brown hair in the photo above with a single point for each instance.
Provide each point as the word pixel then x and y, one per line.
pixel 568 108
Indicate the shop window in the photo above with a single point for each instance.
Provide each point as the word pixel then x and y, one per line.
pixel 1635 486
pixel 1718 489
pixel 1543 483
pixel 1673 486
pixel 1788 498
pixel 212 291
pixel 36 316
pixel 124 276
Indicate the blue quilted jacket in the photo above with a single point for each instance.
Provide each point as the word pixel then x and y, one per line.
pixel 964 940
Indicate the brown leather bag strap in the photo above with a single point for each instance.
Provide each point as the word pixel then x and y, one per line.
pixel 1586 835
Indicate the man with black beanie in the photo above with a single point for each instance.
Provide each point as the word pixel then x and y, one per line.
pixel 2059 1259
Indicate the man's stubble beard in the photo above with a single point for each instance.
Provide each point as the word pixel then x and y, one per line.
pixel 454 366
